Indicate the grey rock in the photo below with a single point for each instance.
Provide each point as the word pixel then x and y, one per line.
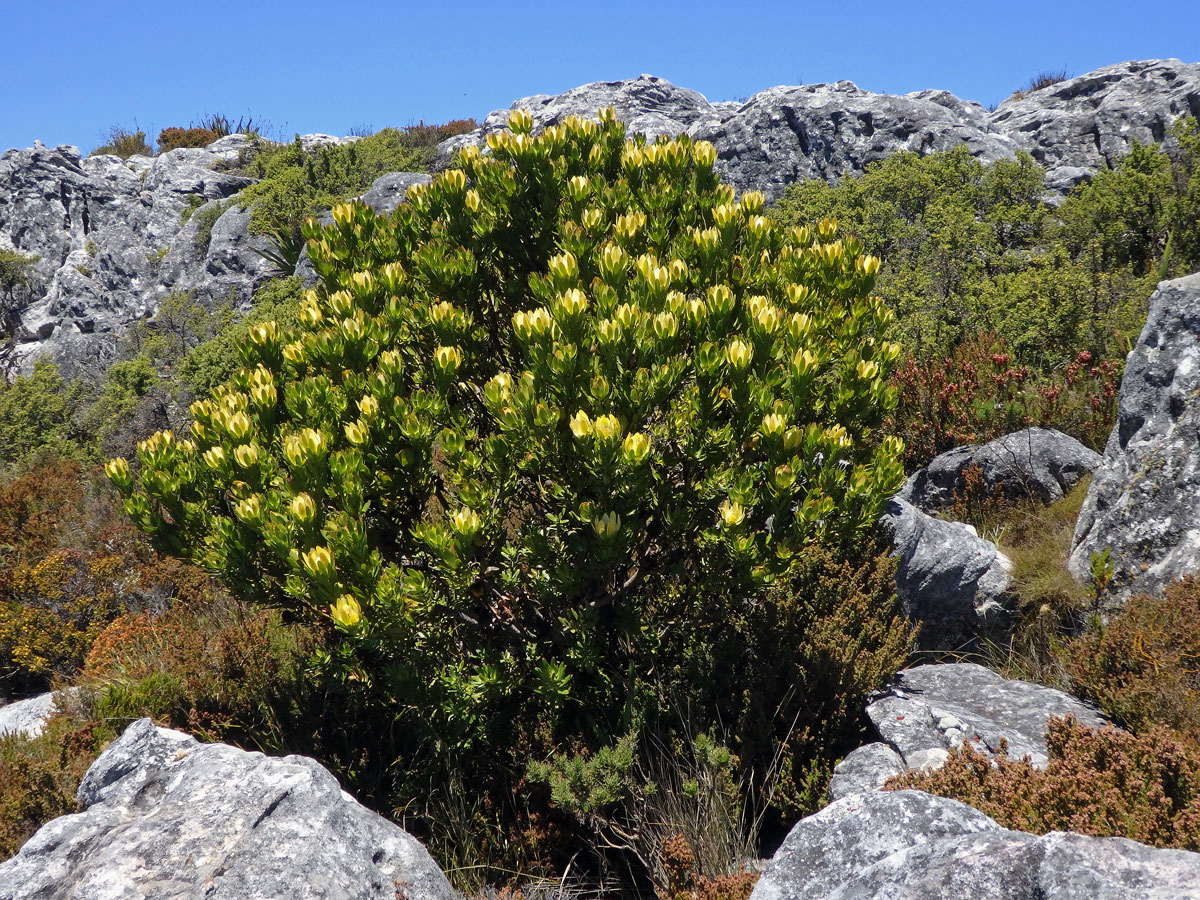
pixel 865 769
pixel 1141 504
pixel 953 582
pixel 168 817
pixel 389 191
pixel 788 134
pixel 1041 463
pixel 931 709
pixel 907 844
pixel 1090 122
pixel 647 105
pixel 822 852
pixel 27 718
pixel 100 227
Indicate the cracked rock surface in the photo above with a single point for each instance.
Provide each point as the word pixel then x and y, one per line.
pixel 1142 504
pixel 169 818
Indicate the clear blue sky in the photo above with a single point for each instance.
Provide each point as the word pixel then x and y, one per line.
pixel 72 69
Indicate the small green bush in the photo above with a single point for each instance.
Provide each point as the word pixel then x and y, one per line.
pixel 37 417
pixel 1101 782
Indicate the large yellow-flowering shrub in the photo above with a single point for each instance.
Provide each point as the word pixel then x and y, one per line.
pixel 571 401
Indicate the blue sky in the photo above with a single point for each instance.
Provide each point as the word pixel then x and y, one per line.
pixel 71 70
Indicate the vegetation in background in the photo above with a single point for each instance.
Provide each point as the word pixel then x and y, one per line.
pixel 545 451
pixel 295 183
pixel 209 129
pixel 1013 311
pixel 39 776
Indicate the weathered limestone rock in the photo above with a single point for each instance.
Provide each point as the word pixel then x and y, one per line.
pixel 1142 502
pixel 169 818
pixel 880 846
pixel 955 583
pixel 1036 462
pixel 786 134
pixel 939 707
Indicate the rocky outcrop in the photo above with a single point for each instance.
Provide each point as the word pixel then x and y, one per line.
pixel 953 582
pixel 1142 502
pixel 879 846
pixel 1090 122
pixel 929 710
pixel 1040 463
pixel 168 818
pixel 787 134
pixel 111 244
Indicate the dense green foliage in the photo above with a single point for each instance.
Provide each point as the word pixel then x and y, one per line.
pixel 1014 311
pixel 548 445
pixel 295 183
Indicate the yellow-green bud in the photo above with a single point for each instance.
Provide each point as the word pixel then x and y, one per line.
pixel 318 562
pixel 246 455
pixel 466 521
pixel 448 359
pixel 635 448
pixel 607 428
pixel 732 513
pixel 303 508
pixel 581 424
pixel 346 612
pixel 118 473
pixel 606 526
pixel 739 353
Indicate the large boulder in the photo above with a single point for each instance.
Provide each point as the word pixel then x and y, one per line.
pixel 929 710
pixel 1142 503
pixel 953 582
pixel 912 845
pixel 1041 463
pixel 168 817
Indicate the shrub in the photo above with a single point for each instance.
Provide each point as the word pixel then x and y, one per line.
pixel 213 667
pixel 1143 665
pixel 174 138
pixel 16 281
pixel 1101 782
pixel 568 400
pixel 37 417
pixel 124 143
pixel 39 776
pixel 70 565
